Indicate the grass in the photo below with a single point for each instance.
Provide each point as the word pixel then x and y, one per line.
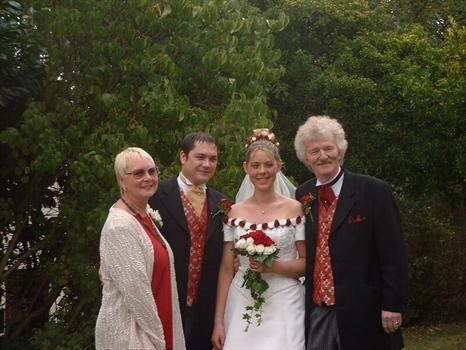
pixel 436 337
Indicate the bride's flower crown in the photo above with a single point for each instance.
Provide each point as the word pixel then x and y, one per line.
pixel 261 134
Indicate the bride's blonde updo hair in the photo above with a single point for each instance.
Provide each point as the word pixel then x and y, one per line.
pixel 262 139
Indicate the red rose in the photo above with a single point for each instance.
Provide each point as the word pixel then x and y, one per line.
pixel 259 237
pixel 224 207
pixel 226 203
pixel 305 198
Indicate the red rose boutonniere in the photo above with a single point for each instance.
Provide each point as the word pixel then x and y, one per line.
pixel 306 201
pixel 224 207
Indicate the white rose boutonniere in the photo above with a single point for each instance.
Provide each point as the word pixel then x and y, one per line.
pixel 155 215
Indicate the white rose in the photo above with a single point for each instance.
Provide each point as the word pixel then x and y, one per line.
pixel 155 215
pixel 251 249
pixel 240 244
pixel 250 240
pixel 269 250
pixel 260 249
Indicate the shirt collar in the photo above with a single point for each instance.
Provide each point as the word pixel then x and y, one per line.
pixel 336 187
pixel 184 183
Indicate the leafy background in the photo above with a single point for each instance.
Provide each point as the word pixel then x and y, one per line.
pixel 80 80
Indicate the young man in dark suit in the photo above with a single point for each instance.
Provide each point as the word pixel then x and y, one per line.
pixel 356 276
pixel 187 206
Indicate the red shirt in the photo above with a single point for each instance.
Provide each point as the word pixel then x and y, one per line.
pixel 161 285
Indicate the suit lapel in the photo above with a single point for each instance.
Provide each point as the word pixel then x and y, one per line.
pixel 212 219
pixel 311 220
pixel 346 200
pixel 172 201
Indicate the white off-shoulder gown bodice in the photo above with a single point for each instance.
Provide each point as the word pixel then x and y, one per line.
pixel 282 326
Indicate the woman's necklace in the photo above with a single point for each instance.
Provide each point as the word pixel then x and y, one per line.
pixel 130 207
pixel 138 216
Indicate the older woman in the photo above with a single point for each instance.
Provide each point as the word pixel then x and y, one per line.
pixel 139 299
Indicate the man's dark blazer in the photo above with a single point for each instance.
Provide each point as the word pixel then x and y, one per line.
pixel 167 201
pixel 368 259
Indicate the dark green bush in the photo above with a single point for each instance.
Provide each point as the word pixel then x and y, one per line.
pixel 436 263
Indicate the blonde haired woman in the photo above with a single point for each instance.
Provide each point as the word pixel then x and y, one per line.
pixel 139 298
pixel 262 205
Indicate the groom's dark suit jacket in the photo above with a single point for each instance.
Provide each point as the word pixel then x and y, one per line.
pixel 368 259
pixel 175 229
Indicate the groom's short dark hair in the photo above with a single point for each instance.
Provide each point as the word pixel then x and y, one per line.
pixel 189 141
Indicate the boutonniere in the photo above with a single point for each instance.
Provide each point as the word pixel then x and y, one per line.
pixel 224 206
pixel 155 215
pixel 306 202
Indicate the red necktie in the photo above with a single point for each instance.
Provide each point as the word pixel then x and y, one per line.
pixel 326 195
pixel 325 192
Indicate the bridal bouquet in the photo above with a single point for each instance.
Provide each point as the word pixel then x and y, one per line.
pixel 261 248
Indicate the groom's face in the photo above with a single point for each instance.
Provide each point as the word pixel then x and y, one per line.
pixel 199 165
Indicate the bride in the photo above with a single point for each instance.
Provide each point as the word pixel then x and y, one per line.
pixel 261 204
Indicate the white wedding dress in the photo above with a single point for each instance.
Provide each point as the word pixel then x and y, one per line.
pixel 282 326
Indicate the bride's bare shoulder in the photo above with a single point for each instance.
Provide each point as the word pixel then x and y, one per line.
pixel 294 208
pixel 237 209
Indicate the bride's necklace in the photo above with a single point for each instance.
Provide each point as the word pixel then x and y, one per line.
pixel 262 207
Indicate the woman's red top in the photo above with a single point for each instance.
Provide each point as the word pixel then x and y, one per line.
pixel 161 285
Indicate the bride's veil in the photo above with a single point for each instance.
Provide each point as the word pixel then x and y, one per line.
pixel 282 186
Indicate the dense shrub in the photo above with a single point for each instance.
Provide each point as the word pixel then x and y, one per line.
pixel 436 263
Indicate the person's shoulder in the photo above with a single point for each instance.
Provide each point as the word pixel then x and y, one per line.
pixel 305 187
pixel 290 202
pixel 166 185
pixel 307 183
pixel 293 207
pixel 217 194
pixel 235 209
pixel 118 220
pixel 368 181
pixel 365 178
pixel 168 182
